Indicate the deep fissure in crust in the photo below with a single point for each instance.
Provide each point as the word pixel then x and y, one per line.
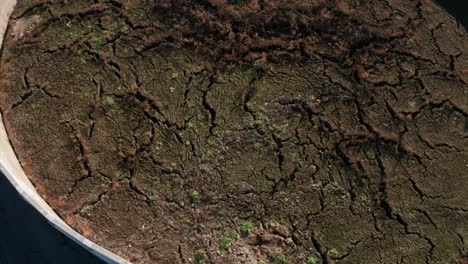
pixel 335 130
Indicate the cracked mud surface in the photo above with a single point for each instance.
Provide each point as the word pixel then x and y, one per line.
pixel 340 137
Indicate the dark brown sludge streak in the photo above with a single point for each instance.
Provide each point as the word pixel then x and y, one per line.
pixel 245 131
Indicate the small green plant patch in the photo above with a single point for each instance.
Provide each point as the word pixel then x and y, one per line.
pixel 312 260
pixel 194 196
pixel 226 239
pixel 199 257
pixel 246 228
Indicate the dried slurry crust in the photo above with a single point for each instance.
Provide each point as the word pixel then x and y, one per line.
pixel 245 131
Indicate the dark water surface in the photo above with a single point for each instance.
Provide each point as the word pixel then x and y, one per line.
pixel 26 237
pixel 458 9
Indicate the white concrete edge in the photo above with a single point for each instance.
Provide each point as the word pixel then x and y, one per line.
pixel 11 168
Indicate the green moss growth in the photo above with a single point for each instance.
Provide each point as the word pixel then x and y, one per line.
pixel 246 228
pixel 199 257
pixel 312 260
pixel 35 106
pixel 210 154
pixel 257 145
pixel 120 174
pixel 194 196
pixel 226 239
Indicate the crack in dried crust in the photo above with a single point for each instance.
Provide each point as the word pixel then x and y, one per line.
pixel 346 147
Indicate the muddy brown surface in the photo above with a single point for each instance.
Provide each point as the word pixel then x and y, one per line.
pixel 245 131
